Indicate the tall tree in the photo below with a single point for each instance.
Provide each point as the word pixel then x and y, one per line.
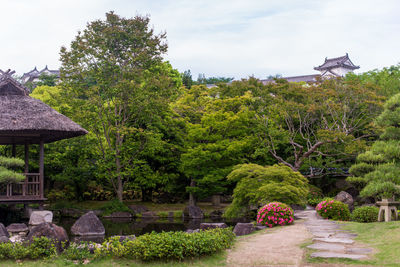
pixel 114 73
pixel 377 170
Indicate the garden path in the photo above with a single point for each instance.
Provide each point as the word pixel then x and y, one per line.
pixel 329 239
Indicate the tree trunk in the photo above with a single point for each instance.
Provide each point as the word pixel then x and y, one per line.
pixel 192 198
pixel 120 188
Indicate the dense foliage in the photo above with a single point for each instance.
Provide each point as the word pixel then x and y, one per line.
pixel 7 174
pixel 377 169
pixel 39 248
pixel 332 209
pixel 257 185
pixel 169 245
pixel 365 214
pixel 275 214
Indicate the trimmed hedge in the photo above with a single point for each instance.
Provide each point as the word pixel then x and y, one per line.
pixel 169 245
pixel 365 214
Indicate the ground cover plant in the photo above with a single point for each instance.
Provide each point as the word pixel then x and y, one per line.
pixel 332 209
pixel 274 214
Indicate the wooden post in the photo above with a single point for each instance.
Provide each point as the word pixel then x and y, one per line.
pixel 14 150
pixel 26 157
pixel 24 187
pixel 41 169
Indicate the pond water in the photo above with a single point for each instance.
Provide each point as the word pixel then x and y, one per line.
pixel 124 226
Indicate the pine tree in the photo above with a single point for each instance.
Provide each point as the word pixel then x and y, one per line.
pixel 7 174
pixel 377 171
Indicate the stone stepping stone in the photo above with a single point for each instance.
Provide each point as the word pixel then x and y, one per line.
pixel 359 250
pixel 323 234
pixel 328 246
pixel 326 254
pixel 334 240
pixel 344 235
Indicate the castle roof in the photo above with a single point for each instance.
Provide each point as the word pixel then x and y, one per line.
pixel 331 63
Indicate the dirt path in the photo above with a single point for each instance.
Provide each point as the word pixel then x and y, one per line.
pixel 279 246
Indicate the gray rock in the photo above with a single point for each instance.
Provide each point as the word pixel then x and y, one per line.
pixel 327 246
pixel 15 228
pixel 88 224
pixel 193 212
pixel 205 226
pixel 260 227
pixel 41 216
pixel 334 240
pixel 336 255
pixel 359 250
pixel 51 231
pixel 119 214
pixel 138 208
pixel 149 214
pixel 344 235
pixel 3 231
pixel 323 234
pixel 346 198
pixel 243 229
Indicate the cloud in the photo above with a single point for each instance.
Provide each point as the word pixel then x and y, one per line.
pixel 218 38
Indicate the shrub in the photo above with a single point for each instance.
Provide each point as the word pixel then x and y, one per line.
pixel 257 185
pixel 77 252
pixel 169 245
pixel 365 214
pixel 114 206
pixel 39 248
pixel 332 209
pixel 275 213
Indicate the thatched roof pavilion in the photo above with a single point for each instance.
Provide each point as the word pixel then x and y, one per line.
pixel 23 121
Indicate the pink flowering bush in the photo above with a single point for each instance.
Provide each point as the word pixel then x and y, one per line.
pixel 332 209
pixel 275 213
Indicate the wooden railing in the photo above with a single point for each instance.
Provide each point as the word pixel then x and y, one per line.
pixel 28 189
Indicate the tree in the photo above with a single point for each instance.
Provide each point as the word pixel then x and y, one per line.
pixel 377 170
pixel 258 185
pixel 47 80
pixel 220 134
pixel 187 79
pixel 8 175
pixel 115 75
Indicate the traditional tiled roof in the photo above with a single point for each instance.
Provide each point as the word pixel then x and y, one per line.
pixel 295 79
pixel 331 63
pixel 35 73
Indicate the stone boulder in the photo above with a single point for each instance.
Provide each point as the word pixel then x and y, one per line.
pixel 346 198
pixel 138 209
pixel 243 229
pixel 119 214
pixel 3 231
pixel 4 239
pixel 193 212
pixel 51 231
pixel 88 224
pixel 205 226
pixel 40 216
pixel 216 214
pixel 18 229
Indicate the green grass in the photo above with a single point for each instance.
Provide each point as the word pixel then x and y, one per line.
pixel 208 261
pixel 383 238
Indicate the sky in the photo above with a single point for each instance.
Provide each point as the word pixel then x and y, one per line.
pixel 225 38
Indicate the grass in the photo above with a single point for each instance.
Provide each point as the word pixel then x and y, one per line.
pixel 207 261
pixel 383 237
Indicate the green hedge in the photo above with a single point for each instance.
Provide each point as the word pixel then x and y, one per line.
pixel 169 245
pixel 37 249
pixel 365 214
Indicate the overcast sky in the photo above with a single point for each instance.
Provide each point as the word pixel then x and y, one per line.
pixel 218 38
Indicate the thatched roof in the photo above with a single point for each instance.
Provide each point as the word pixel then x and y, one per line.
pixel 25 119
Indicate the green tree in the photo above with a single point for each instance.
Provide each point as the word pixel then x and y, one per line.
pixel 258 185
pixel 377 170
pixel 220 134
pixel 115 75
pixel 8 175
pixel 187 79
pixel 47 80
